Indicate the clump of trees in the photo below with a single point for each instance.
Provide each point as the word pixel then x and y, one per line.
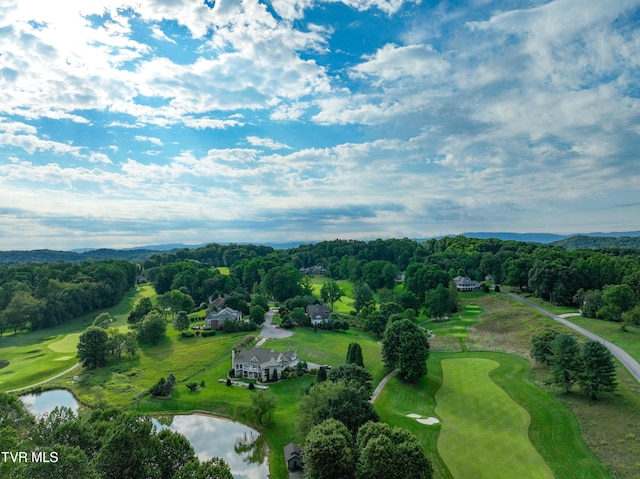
pixel 405 347
pixel 164 386
pixel 590 365
pixel 379 451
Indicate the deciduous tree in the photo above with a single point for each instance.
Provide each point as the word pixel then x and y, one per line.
pixel 331 293
pixel 328 452
pixel 152 328
pixel 405 347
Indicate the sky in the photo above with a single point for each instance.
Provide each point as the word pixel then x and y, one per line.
pixel 128 123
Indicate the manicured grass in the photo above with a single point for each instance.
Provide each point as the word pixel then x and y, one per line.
pixel 484 432
pixel 68 344
pixel 330 347
pixel 553 431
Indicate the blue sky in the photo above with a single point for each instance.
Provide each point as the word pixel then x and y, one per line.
pixel 131 123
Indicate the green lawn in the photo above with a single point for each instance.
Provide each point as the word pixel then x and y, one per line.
pixel 484 432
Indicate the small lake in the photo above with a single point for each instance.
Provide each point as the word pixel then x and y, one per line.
pixel 240 446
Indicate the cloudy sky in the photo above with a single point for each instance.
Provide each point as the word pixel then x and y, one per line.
pixel 126 123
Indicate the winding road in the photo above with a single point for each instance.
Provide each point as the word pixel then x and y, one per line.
pixel 620 354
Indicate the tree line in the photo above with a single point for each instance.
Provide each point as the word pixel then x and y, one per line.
pixel 38 295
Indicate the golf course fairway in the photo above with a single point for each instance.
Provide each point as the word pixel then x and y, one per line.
pixel 484 432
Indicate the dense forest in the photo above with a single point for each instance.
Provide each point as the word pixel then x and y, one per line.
pixel 38 295
pixel 604 283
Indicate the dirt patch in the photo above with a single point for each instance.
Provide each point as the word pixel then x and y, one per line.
pixel 3 363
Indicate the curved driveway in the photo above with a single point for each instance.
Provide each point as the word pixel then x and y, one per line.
pixel 627 361
pixel 269 331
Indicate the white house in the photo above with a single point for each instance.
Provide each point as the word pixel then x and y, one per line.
pixel 464 283
pixel 257 363
pixel 319 313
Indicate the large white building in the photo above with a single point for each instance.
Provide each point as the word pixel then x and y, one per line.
pixel 464 283
pixel 259 363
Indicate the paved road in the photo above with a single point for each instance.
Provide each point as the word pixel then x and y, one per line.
pixel 627 361
pixel 46 380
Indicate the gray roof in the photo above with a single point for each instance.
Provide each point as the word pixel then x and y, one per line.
pixel 318 310
pixel 263 356
pixel 292 450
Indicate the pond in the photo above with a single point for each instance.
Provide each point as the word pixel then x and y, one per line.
pixel 240 446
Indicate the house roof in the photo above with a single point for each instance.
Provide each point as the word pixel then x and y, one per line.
pixel 318 311
pixel 266 357
pixel 291 451
pixel 226 313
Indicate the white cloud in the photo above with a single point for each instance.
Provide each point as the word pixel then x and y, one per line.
pixel 150 139
pixel 267 143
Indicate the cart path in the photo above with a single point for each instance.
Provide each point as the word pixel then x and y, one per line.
pixel 620 354
pixel 46 380
pixel 384 381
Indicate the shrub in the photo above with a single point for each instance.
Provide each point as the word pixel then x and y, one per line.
pixel 251 386
pixel 192 386
pixel 202 383
pixel 188 334
pixel 208 332
pixel 228 382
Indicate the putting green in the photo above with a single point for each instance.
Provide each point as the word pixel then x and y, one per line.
pixel 484 432
pixel 68 344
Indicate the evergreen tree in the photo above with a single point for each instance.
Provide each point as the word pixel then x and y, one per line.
pixel 541 345
pixel 598 369
pixel 322 375
pixel 565 361
pixel 354 354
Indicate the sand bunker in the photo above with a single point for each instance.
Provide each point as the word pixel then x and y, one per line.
pixel 429 421
pixel 414 416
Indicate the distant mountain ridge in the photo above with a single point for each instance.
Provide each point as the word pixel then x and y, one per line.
pixel 546 238
pixel 628 239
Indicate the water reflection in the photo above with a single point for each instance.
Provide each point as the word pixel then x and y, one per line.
pixel 252 447
pixel 240 446
pixel 45 402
